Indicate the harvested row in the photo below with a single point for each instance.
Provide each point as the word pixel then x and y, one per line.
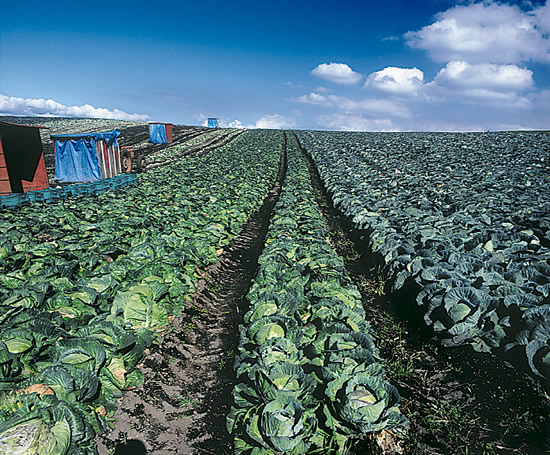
pixel 84 294
pixel 186 140
pixel 468 228
pixel 307 367
pixel 194 143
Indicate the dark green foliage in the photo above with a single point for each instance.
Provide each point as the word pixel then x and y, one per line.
pixel 305 329
pixel 466 217
pixel 88 283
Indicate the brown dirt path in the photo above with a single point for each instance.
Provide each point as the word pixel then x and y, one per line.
pixel 181 407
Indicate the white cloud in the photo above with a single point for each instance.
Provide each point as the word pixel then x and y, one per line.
pixel 348 121
pixel 397 81
pixel 323 90
pixel 373 106
pixel 485 76
pixel 339 73
pixel 486 32
pixel 313 98
pixel 10 105
pixel 275 121
pixel 482 82
pixel 235 124
pixel 542 17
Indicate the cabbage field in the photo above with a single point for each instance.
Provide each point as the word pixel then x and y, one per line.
pixel 122 323
pixel 464 217
pixel 87 284
pixel 307 372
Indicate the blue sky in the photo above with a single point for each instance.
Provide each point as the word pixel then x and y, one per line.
pixel 435 65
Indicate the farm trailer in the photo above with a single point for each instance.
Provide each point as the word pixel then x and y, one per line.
pixel 160 133
pixel 86 157
pixel 22 166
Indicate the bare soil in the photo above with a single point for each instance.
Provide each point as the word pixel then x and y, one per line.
pixel 181 407
pixel 457 401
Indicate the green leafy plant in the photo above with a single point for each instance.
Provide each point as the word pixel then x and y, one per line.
pixel 304 330
pixel 441 216
pixel 88 284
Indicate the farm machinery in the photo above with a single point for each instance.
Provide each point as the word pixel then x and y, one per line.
pixel 131 160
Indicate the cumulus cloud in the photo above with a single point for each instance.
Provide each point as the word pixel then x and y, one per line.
pixel 313 98
pixel 396 81
pixel 484 81
pixel 339 73
pixel 235 124
pixel 348 121
pixel 485 76
pixel 10 105
pixel 542 17
pixel 486 32
pixel 275 121
pixel 373 106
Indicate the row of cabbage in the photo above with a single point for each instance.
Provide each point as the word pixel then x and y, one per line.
pixel 308 377
pixel 66 125
pixel 464 216
pixel 88 283
pixel 200 140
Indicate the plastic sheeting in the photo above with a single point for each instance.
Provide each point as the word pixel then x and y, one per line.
pixel 157 133
pixel 76 156
pixel 76 161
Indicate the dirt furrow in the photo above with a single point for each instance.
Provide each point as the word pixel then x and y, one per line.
pixel 458 401
pixel 181 407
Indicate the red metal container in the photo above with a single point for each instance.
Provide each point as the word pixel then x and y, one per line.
pixel 168 127
pixel 22 166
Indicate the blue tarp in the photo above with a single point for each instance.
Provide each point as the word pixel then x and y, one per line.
pixel 76 157
pixel 157 133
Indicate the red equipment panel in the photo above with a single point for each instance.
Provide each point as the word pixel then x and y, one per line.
pixel 40 181
pixel 22 166
pixel 5 186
